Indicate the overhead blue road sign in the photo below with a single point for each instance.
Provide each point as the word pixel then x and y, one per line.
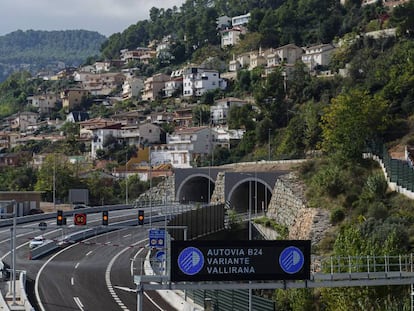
pixel 156 238
pixel 224 260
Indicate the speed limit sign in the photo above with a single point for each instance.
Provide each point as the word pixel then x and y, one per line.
pixel 79 219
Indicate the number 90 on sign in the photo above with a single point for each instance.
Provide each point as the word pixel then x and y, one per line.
pixel 79 219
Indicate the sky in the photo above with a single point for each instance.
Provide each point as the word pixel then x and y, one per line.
pixel 104 16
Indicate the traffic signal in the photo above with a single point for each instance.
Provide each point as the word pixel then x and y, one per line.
pixel 59 218
pixel 105 218
pixel 140 217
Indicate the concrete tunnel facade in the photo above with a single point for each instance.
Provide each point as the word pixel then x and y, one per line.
pixel 242 190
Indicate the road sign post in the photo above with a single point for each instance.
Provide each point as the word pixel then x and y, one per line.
pixel 79 219
pixel 156 238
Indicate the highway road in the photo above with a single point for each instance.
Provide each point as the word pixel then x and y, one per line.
pixel 94 274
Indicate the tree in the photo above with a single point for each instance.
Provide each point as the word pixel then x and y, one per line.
pixel 403 16
pixel 352 119
pixel 56 174
pixel 270 96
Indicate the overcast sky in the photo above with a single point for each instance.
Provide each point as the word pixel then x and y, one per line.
pixel 105 16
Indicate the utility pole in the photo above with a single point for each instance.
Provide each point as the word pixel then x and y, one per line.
pixel 269 144
pixel 54 181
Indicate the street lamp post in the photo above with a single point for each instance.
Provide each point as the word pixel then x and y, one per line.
pixel 14 250
pixel 12 284
pixel 126 177
pixel 250 234
pixel 150 182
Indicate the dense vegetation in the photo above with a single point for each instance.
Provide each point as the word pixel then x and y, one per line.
pixel 40 50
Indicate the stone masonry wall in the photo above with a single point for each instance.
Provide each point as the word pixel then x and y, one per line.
pixel 288 207
pixel 218 193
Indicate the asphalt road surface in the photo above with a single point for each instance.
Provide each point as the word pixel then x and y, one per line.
pixel 95 274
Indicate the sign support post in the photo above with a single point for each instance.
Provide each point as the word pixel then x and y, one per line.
pixel 140 296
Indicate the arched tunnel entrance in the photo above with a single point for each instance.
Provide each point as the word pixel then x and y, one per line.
pixel 196 189
pixel 250 194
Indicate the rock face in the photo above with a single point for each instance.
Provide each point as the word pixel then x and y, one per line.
pixel 288 207
pixel 218 193
pixel 163 192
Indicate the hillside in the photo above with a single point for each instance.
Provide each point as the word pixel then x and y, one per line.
pixel 41 50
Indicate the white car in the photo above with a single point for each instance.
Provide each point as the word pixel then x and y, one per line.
pixel 36 241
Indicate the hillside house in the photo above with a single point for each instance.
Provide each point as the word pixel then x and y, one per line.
pixel 72 98
pixel 219 111
pixel 20 121
pixel 257 59
pixel 132 87
pixel 154 87
pixel 101 83
pixel 230 37
pixel 44 103
pixel 239 62
pixel 189 145
pixel 175 84
pixel 77 116
pixel 183 117
pixel 240 20
pixel 223 22
pixel 86 127
pixel 134 55
pixel 317 56
pixel 197 81
pixel 160 117
pixel 132 117
pixel 100 134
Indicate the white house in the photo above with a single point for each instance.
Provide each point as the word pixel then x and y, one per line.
pixel 101 133
pixel 230 37
pixel 197 81
pixel 175 84
pixel 239 62
pixel 219 111
pixel 287 54
pixel 240 20
pixel 317 55
pixel 189 145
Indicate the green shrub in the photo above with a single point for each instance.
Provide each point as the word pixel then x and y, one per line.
pixel 337 215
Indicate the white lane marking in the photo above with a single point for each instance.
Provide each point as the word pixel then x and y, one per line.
pixel 42 308
pixel 77 265
pixel 153 302
pixel 127 235
pixel 108 275
pixel 88 253
pixel 132 262
pixel 78 302
pixel 72 281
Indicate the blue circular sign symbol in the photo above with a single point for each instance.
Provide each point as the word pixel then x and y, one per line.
pixel 291 260
pixel 191 260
